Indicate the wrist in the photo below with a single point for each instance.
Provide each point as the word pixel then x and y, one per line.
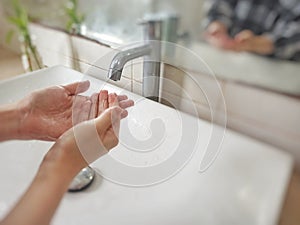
pixel 262 45
pixel 63 159
pixel 25 127
pixel 268 45
pixel 10 119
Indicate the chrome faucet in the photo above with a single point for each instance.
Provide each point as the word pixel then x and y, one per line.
pixel 151 51
pixel 121 58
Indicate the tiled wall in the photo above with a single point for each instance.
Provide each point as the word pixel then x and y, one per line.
pixel 267 116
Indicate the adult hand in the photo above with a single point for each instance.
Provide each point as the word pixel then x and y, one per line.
pixel 46 114
pixel 217 35
pixel 246 40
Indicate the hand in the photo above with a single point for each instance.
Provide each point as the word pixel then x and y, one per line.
pixel 246 40
pixel 217 35
pixel 216 28
pixel 66 152
pixel 46 114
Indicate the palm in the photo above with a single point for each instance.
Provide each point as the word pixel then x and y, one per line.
pixel 52 111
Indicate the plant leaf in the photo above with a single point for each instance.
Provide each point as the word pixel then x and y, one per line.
pixel 9 35
pixel 15 20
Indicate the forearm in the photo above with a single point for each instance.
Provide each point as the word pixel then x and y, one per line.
pixel 40 201
pixel 10 120
pixel 262 45
pixel 38 204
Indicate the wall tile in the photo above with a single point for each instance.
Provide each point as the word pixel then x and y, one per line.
pixel 137 69
pixel 184 105
pixel 198 87
pixel 137 88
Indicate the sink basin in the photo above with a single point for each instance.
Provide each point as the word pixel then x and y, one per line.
pixel 139 182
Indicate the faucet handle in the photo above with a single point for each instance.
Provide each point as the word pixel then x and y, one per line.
pixel 152 24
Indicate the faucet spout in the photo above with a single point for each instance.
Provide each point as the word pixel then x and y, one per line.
pixel 150 49
pixel 121 58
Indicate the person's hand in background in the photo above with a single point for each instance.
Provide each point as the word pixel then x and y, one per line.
pixel 217 35
pixel 47 113
pixel 247 41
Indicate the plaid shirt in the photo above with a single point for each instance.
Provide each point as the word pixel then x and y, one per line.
pixel 278 19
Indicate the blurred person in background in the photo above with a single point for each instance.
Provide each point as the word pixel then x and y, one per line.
pixel 264 27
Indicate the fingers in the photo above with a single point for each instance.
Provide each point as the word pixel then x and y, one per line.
pixel 243 36
pixel 113 100
pixel 106 100
pixel 94 106
pixel 116 115
pixel 81 109
pixel 113 133
pixel 124 114
pixel 126 103
pixel 102 101
pixel 77 87
pixel 122 97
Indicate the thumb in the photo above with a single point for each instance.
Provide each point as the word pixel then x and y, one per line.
pixel 77 87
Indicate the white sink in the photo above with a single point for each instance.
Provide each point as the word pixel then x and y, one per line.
pixel 245 185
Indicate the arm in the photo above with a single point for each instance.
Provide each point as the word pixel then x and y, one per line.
pixel 38 204
pixel 10 119
pixel 60 165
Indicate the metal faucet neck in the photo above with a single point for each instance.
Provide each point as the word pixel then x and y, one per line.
pixel 121 58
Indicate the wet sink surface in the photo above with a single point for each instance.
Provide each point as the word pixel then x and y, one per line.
pixel 245 185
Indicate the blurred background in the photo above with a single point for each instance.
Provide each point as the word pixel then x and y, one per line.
pixel 261 86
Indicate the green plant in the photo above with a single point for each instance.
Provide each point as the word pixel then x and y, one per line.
pixel 75 18
pixel 20 20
